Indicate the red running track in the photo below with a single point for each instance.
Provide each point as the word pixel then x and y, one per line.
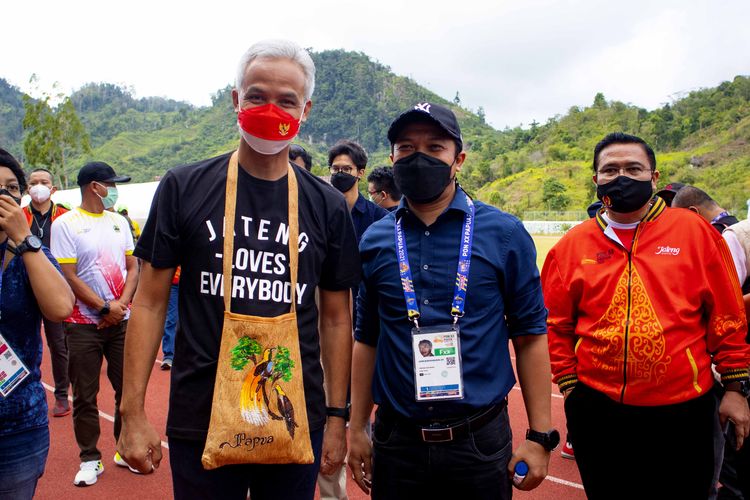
pixel 563 482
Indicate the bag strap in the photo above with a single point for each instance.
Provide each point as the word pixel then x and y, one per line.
pixel 230 206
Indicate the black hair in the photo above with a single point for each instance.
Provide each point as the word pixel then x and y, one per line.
pixel 297 151
pixel 691 196
pixel 382 179
pixel 623 138
pixel 352 150
pixel 40 169
pixel 7 160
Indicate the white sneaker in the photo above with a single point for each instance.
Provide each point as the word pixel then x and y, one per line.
pixel 122 463
pixel 89 472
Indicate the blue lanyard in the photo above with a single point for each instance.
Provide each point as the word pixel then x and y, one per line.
pixel 462 273
pixel 722 214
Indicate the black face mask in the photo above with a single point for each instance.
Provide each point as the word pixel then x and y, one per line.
pixel 5 191
pixel 624 194
pixel 343 182
pixel 422 178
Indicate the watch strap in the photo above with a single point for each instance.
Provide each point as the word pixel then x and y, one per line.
pixel 333 411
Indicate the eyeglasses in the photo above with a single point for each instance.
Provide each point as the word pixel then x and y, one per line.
pixel 346 170
pixel 12 188
pixel 629 171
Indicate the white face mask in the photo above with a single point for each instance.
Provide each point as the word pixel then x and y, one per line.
pixel 40 193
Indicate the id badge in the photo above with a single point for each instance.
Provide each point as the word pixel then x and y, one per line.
pixel 437 363
pixel 12 369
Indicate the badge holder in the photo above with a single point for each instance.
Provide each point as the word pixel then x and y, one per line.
pixel 436 354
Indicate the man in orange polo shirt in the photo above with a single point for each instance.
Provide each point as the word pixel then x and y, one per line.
pixel 40 214
pixel 642 298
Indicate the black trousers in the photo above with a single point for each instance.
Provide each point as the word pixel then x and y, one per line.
pixel 642 452
pixel 405 467
pixel 87 347
pixel 58 354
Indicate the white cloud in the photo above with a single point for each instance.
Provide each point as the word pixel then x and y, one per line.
pixel 519 60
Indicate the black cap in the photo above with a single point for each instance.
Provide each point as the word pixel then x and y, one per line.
pixel 98 171
pixel 668 192
pixel 442 116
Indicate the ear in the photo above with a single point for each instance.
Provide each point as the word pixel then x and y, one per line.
pixel 594 180
pixel 460 159
pixel 654 178
pixel 236 100
pixel 306 111
pixel 53 190
pixel 390 157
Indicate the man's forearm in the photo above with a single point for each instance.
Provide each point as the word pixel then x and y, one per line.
pixel 84 293
pixel 363 363
pixel 336 352
pixel 143 336
pixel 130 282
pixel 533 365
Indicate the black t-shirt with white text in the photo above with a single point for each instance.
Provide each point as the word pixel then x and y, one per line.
pixel 184 228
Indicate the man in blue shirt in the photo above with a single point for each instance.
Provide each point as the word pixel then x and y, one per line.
pixel 447 434
pixel 347 161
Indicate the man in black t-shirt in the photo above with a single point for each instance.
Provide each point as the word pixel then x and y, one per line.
pixel 275 79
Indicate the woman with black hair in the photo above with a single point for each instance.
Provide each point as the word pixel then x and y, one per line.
pixel 31 286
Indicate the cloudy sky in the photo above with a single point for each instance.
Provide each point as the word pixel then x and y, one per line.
pixel 521 60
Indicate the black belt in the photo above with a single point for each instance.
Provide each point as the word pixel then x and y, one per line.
pixel 444 432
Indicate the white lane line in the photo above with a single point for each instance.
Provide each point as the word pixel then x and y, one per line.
pixel 105 416
pixel 165 445
pixel 564 482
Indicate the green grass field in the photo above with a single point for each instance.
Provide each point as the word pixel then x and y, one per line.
pixel 543 243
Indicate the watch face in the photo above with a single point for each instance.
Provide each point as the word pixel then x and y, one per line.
pixel 33 242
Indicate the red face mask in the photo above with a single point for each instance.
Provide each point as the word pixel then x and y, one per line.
pixel 268 122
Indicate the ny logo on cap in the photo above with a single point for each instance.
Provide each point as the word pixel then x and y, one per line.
pixel 423 106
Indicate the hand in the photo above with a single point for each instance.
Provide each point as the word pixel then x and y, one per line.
pixel 536 457
pixel 734 407
pixel 116 314
pixel 139 444
pixel 360 458
pixel 334 446
pixel 12 220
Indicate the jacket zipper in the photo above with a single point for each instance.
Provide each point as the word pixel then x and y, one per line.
pixel 627 327
pixel 627 317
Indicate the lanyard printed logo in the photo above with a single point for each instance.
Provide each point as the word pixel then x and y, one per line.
pixel 462 272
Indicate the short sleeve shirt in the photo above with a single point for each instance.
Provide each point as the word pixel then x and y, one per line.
pixel 184 228
pixel 97 244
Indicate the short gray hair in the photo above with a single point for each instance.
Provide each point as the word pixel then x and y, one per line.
pixel 275 49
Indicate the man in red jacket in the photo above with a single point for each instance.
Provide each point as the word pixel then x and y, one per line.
pixel 642 298
pixel 40 214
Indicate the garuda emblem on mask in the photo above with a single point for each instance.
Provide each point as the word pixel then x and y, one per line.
pixel 283 129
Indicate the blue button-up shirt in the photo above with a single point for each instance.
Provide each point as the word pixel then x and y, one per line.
pixel 503 300
pixel 364 213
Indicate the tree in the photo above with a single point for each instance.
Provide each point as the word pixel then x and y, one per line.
pixel 553 194
pixel 53 134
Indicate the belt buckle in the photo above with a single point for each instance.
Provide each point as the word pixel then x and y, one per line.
pixel 437 435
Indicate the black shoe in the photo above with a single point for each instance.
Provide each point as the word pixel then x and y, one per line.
pixel 166 364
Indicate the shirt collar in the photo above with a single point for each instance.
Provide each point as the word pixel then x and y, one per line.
pixel 459 202
pixel 657 208
pixel 361 204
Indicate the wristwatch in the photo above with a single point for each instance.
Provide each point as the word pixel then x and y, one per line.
pixel 105 308
pixel 549 440
pixel 332 411
pixel 742 386
pixel 29 244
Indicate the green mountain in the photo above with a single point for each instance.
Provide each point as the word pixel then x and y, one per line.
pixel 702 138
